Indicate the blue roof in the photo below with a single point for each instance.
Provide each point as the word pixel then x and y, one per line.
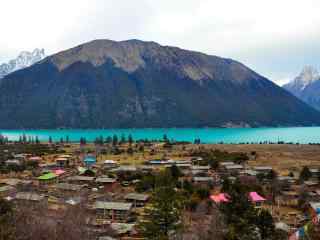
pixel 90 159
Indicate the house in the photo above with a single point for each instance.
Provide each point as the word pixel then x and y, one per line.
pixel 234 168
pixel 68 187
pixel 62 162
pixel 28 197
pixel 263 169
pixel 203 180
pixel 86 172
pixel 113 210
pixel 47 178
pixel 138 200
pixel 256 199
pixel 315 173
pixel 89 160
pixel 105 181
pixel 125 168
pixel 68 190
pixel 109 164
pixel 35 159
pixel 80 179
pixel 220 198
pixel 13 162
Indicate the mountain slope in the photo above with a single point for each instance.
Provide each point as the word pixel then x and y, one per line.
pixel 306 87
pixel 105 84
pixel 25 59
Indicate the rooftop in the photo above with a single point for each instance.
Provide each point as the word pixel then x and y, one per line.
pixel 120 206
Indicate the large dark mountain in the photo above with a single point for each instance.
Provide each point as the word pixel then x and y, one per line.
pixel 105 84
pixel 306 86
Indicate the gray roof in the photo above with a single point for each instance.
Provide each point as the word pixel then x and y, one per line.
pixel 69 187
pixel 113 206
pixel 262 168
pixel 226 163
pixel 234 167
pixel 200 167
pixel 125 168
pixel 105 180
pixel 137 196
pixel 203 179
pixel 29 196
pixel 80 178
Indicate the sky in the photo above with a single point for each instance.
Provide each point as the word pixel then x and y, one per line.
pixel 275 38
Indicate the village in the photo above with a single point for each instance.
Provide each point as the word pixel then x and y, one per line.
pixel 106 185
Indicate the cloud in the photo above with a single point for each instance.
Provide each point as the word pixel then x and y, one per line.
pixel 275 38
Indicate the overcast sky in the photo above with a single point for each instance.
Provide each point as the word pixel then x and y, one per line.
pixel 274 37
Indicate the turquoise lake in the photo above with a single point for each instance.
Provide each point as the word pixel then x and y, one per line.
pixel 301 135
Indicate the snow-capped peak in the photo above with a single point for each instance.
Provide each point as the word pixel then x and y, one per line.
pixel 308 75
pixel 24 59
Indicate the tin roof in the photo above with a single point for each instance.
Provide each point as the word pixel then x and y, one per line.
pixel 120 206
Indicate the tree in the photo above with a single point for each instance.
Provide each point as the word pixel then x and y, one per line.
pixel 123 139
pixel 165 138
pixel 163 219
pixel 305 174
pixel 265 223
pixel 130 139
pixel 243 220
pixel 115 140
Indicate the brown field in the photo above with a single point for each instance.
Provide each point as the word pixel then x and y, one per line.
pixel 281 157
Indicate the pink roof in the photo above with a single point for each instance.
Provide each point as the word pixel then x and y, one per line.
pixel 35 158
pixel 59 172
pixel 221 197
pixel 255 197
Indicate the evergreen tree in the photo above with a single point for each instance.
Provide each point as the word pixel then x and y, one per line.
pixel 264 222
pixel 305 174
pixel 123 139
pixel 165 138
pixel 115 140
pixel 108 140
pixel 130 139
pixel 163 219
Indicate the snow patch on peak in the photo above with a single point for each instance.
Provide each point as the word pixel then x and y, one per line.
pixel 24 59
pixel 308 75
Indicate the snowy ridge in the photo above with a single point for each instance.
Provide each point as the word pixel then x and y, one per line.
pixel 25 59
pixel 308 75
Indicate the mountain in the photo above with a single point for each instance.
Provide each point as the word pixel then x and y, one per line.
pixel 306 86
pixel 127 84
pixel 25 59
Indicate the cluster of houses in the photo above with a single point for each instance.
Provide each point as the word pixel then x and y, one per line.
pixel 72 180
